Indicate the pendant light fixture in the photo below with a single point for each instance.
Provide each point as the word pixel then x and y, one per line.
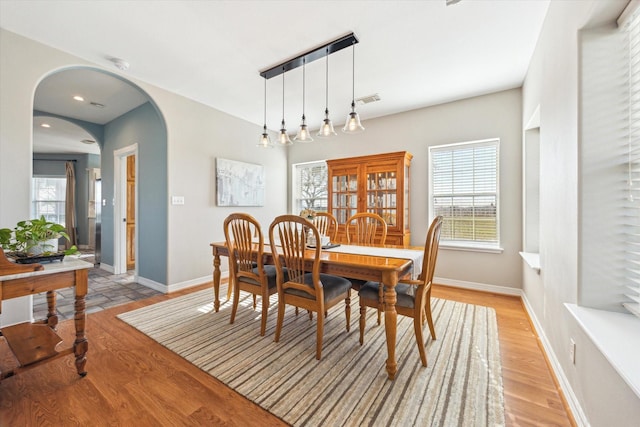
pixel 303 133
pixel 265 139
pixel 353 120
pixel 326 128
pixel 283 137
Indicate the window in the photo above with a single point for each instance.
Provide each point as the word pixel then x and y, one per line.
pixel 49 196
pixel 464 190
pixel 310 186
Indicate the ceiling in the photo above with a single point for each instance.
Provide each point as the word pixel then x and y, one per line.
pixel 412 54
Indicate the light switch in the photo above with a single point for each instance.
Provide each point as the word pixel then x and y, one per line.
pixel 177 200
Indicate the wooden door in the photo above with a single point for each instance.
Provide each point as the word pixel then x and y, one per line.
pixel 131 212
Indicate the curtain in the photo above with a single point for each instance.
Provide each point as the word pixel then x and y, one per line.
pixel 70 205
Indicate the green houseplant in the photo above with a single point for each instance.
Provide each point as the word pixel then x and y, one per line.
pixel 32 237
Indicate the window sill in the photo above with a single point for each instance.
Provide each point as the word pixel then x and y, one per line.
pixel 617 336
pixel 470 247
pixel 532 259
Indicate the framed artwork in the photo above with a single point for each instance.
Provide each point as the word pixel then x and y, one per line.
pixel 239 183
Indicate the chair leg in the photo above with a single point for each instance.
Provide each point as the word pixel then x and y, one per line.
pixel 380 302
pixel 254 301
pixel 281 307
pixel 347 312
pixel 363 321
pixel 265 310
pixel 234 306
pixel 310 314
pixel 296 311
pixel 319 333
pixel 427 310
pixel 417 326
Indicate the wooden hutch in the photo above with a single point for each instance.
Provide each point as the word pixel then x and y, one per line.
pixel 376 183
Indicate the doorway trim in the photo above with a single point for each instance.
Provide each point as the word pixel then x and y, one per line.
pixel 120 208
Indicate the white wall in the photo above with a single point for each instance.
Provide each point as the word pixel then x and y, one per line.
pixel 496 115
pixel 598 395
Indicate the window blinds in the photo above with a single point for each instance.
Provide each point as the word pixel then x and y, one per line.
pixel 464 190
pixel 631 27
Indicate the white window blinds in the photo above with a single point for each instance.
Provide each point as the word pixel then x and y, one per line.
pixel 631 27
pixel 310 186
pixel 464 190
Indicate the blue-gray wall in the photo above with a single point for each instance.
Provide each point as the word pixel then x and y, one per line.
pixel 53 165
pixel 145 127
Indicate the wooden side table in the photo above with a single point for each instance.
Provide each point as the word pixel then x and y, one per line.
pixel 35 342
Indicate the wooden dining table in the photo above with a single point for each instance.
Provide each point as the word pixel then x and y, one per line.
pixel 386 270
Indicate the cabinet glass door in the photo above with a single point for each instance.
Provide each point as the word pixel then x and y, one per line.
pixel 344 189
pixel 381 195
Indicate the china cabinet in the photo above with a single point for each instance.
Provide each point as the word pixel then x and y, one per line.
pixel 376 183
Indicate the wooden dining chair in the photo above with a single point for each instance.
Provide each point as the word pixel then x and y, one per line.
pixel 327 224
pixel 366 228
pixel 413 296
pixel 301 284
pixel 247 271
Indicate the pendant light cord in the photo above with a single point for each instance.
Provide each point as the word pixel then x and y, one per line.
pixel 303 83
pixel 265 102
pixel 283 97
pixel 353 73
pixel 326 102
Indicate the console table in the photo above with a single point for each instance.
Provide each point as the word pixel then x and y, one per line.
pixel 33 343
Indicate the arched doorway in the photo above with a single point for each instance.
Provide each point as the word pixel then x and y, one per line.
pixel 106 107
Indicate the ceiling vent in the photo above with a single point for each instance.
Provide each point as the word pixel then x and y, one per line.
pixel 97 104
pixel 450 2
pixel 88 141
pixel 368 99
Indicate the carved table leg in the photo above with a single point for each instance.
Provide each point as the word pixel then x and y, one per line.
pixel 216 279
pixel 52 316
pixel 390 321
pixel 81 344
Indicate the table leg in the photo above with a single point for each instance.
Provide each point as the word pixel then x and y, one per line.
pixel 81 344
pixel 52 317
pixel 390 280
pixel 216 279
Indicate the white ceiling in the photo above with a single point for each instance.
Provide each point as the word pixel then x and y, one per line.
pixel 412 53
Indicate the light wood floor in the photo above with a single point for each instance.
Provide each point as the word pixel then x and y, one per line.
pixel 132 380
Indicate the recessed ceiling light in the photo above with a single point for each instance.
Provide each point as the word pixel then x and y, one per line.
pixel 88 141
pixel 78 98
pixel 45 125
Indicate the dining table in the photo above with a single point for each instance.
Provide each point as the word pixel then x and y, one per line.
pixel 384 264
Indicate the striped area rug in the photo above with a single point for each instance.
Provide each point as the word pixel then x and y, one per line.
pixel 462 386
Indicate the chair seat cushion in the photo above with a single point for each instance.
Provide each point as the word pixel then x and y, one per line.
pixel 405 294
pixel 270 271
pixel 332 285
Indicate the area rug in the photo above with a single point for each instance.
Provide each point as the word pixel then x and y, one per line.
pixel 462 385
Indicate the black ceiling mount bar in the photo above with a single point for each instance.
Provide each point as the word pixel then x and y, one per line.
pixel 312 55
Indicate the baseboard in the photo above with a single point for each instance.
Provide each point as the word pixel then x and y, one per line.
pixel 475 286
pixel 194 282
pixel 157 286
pixel 563 382
pixel 106 267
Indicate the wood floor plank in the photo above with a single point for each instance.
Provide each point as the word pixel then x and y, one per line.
pixel 133 380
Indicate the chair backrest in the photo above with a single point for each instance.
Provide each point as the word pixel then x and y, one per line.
pixel 431 247
pixel 327 224
pixel 244 239
pixel 366 228
pixel 288 237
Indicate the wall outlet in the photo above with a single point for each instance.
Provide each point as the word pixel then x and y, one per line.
pixel 572 351
pixel 177 200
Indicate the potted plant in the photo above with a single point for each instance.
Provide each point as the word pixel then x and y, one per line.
pixel 34 240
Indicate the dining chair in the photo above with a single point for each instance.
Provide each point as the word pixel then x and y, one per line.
pixel 303 285
pixel 366 228
pixel 327 224
pixel 247 271
pixel 413 296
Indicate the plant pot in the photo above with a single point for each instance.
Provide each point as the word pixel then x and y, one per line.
pixel 44 247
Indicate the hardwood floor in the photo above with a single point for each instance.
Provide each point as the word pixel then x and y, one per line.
pixel 134 380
